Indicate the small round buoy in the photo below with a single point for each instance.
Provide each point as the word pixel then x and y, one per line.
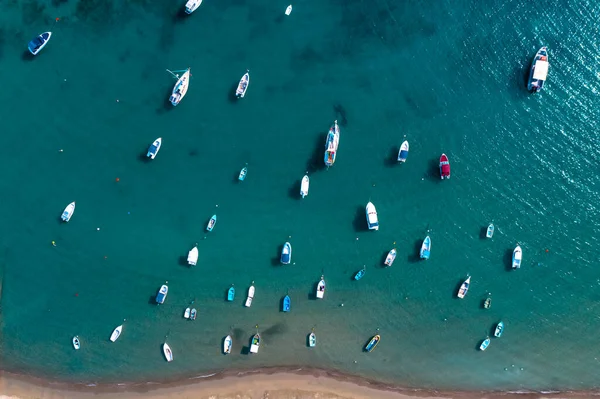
pixel 98 228
pixel 53 243
pixel 57 19
pixel 61 150
pixel 117 100
pixel 356 238
pixel 77 294
pixel 105 257
pixel 117 179
pixel 547 250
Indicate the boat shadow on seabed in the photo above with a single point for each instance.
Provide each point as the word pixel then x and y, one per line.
pixel 316 162
pixel 359 223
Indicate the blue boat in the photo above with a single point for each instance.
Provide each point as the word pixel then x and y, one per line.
pixel 287 301
pixel 211 223
pixel 484 344
pixel 243 173
pixel 162 294
pixel 490 231
pixel 359 274
pixel 403 153
pixel 373 343
pixel 39 42
pixel 425 248
pixel 331 144
pixel 286 253
pixel 231 293
pixel 499 330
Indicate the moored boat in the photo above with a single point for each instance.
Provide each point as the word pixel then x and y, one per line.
pixel 116 333
pixel 192 5
pixel 371 213
pixel 250 296
pixel 490 231
pixel 331 144
pixel 312 339
pixel 403 152
pixel 167 352
pixel 391 256
pixel 499 330
pixel 255 343
pixel 487 303
pixel 192 258
pixel 193 313
pixel 425 248
pixel 154 148
pixel 181 87
pixel 231 293
pixel 372 343
pixel 464 288
pixel 39 42
pixel 359 274
pixel 484 344
pixel 444 167
pixel 76 343
pixel 304 186
pixel 516 257
pixel 211 223
pixel 68 212
pixel 162 294
pixel 240 92
pixel 286 254
pixel 539 70
pixel 243 173
pixel 187 312
pixel 288 10
pixel 227 344
pixel 321 288
pixel 286 304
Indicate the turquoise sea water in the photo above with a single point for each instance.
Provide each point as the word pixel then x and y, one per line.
pixel 447 76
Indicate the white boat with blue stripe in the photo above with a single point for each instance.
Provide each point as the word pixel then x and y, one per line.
pixel 154 148
pixel 39 42
pixel 372 220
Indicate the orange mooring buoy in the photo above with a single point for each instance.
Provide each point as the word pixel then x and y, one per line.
pixel 117 179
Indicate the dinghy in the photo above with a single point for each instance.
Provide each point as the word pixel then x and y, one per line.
pixel 162 294
pixel 499 330
pixel 250 296
pixel 464 288
pixel 154 148
pixel 312 339
pixel 425 248
pixel 371 213
pixel 286 253
pixel 484 344
pixel 255 344
pixel 181 86
pixel 211 223
pixel 516 258
pixel 39 42
pixel 321 288
pixel 192 5
pixel 288 10
pixel 539 70
pixel 391 256
pixel 331 144
pixel 240 92
pixel 359 274
pixel 487 303
pixel 227 344
pixel 243 173
pixel 192 258
pixel 68 212
pixel 287 302
pixel 187 313
pixel 444 167
pixel 490 231
pixel 116 333
pixel 403 153
pixel 304 186
pixel 76 343
pixel 193 314
pixel 372 343
pixel 231 293
pixel 168 352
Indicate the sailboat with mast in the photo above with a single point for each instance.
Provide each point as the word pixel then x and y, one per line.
pixel 331 144
pixel 181 86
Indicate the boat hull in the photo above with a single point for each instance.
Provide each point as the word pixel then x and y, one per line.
pixel 444 167
pixel 425 248
pixel 211 223
pixel 372 343
pixel 39 42
pixel 403 152
pixel 464 288
pixel 250 297
pixel 539 71
pixel 286 305
pixel 192 258
pixel 154 148
pixel 320 289
pixel 162 294
pixel 167 352
pixel 255 344
pixel 227 344
pixel 312 340
pixel 517 257
pixel 389 259
pixel 231 294
pixel 240 92
pixel 499 330
pixel 490 231
pixel 371 214
pixel 116 333
pixel 286 253
pixel 180 89
pixel 331 144
pixel 192 5
pixel 76 343
pixel 68 212
pixel 243 173
pixel 484 344
pixel 304 186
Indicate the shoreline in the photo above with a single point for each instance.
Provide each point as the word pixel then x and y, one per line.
pixel 271 382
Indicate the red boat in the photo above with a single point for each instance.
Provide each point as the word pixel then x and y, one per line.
pixel 444 167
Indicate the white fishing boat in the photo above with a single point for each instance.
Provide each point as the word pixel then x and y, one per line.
pixel 181 86
pixel 76 343
pixel 464 288
pixel 321 288
pixel 391 256
pixel 516 257
pixel 187 312
pixel 192 258
pixel 68 212
pixel 154 148
pixel 240 92
pixel 250 296
pixel 372 220
pixel 304 186
pixel 255 344
pixel 403 153
pixel 312 339
pixel 288 10
pixel 490 231
pixel 227 344
pixel 162 294
pixel 192 5
pixel 193 314
pixel 168 352
pixel 331 144
pixel 39 42
pixel 116 333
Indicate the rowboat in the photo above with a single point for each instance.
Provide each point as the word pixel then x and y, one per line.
pixel 288 10
pixel 484 344
pixel 490 231
pixel 371 214
pixel 487 303
pixel 464 288
pixel 359 274
pixel 250 296
pixel 304 186
pixel 321 288
pixel 312 339
pixel 231 293
pixel 76 343
pixel 240 92
pixel 187 312
pixel 39 42
pixel 193 313
pixel 154 148
pixel 516 258
pixel 181 86
pixel 162 294
pixel 331 144
pixel 287 302
pixel 403 153
pixel 444 167
pixel 391 256
pixel 192 5
pixel 372 343
pixel 243 173
pixel 211 223
pixel 68 212
pixel 286 253
pixel 192 258
pixel 255 343
pixel 499 330
pixel 539 70
pixel 168 352
pixel 227 344
pixel 425 248
pixel 116 333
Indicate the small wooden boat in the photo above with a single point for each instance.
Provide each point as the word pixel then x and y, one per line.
pixel 76 343
pixel 484 344
pixel 539 70
pixel 487 303
pixel 68 212
pixel 193 313
pixel 516 257
pixel 288 10
pixel 181 86
pixel 403 153
pixel 331 144
pixel 373 343
pixel 286 253
pixel 39 42
pixel 391 256
pixel 499 330
pixel 192 5
pixel 312 339
pixel 227 344
pixel 321 288
pixel 304 186
pixel 168 352
pixel 255 343
pixel 444 167
pixel 287 302
pixel 250 296
pixel 243 173
pixel 231 293
pixel 211 223
pixel 490 231
pixel 154 148
pixel 187 313
pixel 425 248
pixel 359 274
pixel 116 333
pixel 162 294
pixel 192 258
pixel 371 213
pixel 240 92
pixel 464 288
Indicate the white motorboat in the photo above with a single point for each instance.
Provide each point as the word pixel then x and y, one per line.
pixel 391 256
pixel 240 92
pixel 304 186
pixel 116 333
pixel 403 153
pixel 288 10
pixel 39 42
pixel 181 86
pixel 168 352
pixel 154 148
pixel 187 312
pixel 227 344
pixel 162 294
pixel 372 220
pixel 193 314
pixel 516 258
pixel 255 344
pixel 192 258
pixel 464 288
pixel 76 343
pixel 250 296
pixel 68 212
pixel 192 5
pixel 321 288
